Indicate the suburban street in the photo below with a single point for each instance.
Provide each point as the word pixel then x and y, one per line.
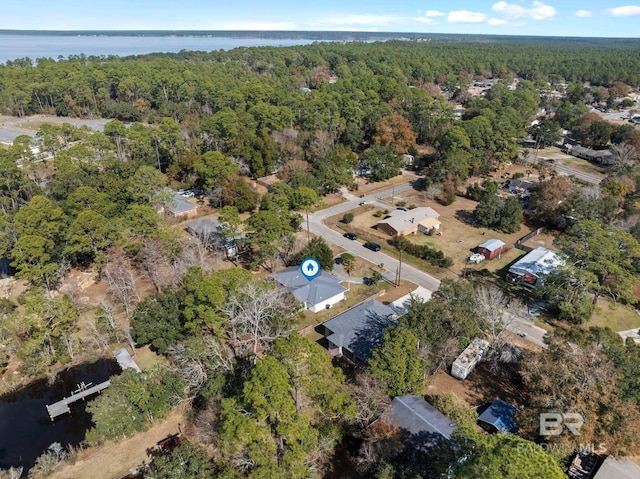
pixel 533 333
pixel 317 226
pixel 520 325
pixel 565 170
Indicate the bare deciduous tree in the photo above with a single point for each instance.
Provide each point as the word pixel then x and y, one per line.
pixel 371 398
pixel 497 312
pixel 121 279
pixel 258 314
pixel 622 154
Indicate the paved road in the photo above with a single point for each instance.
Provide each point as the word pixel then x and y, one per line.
pixel 565 170
pixel 533 333
pixel 317 226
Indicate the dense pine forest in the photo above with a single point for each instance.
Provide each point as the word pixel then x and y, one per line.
pixel 260 399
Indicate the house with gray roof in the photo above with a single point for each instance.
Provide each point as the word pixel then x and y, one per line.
pixel 320 293
pixel 421 425
pixel 356 332
pixel 534 267
pixel 179 207
pixel 209 232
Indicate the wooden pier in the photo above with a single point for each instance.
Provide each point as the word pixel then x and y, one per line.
pixel 84 390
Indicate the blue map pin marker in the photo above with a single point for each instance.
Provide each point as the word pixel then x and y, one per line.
pixel 310 268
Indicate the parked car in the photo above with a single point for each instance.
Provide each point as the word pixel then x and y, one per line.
pixel 188 194
pixel 401 209
pixel 476 258
pixel 372 246
pixel 351 236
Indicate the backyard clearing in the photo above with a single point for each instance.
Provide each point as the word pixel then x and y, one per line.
pixel 480 386
pixel 116 460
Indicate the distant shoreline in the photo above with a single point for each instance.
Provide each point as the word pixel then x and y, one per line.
pixel 315 35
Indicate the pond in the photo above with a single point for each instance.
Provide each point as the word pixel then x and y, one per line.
pixel 26 431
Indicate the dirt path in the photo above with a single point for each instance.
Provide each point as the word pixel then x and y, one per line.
pixel 116 460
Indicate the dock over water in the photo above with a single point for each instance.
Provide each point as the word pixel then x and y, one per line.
pixel 83 390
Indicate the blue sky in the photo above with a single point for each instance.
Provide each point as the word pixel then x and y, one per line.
pixel 604 18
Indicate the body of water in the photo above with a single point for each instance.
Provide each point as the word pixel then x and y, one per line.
pixel 26 431
pixel 13 47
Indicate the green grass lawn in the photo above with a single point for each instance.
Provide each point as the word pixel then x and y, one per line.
pixel 618 317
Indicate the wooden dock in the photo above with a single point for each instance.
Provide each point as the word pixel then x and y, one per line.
pixel 84 390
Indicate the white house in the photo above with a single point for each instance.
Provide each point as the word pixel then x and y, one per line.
pixel 320 293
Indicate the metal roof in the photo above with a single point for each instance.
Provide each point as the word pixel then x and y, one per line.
pixel 539 262
pixel 492 245
pixel 501 416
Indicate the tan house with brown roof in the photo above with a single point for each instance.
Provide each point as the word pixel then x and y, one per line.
pixel 403 223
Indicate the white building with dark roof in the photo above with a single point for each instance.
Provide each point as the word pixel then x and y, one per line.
pixel 320 293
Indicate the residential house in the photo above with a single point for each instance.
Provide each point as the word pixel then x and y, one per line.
pixel 420 424
pixel 499 417
pixel 320 293
pixel 209 232
pixel 179 207
pixel 355 333
pixel 490 249
pixel 403 223
pixel 472 355
pixel 520 187
pixel 532 268
pixel 602 157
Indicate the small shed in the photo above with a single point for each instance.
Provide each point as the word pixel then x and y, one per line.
pixel 491 248
pixel 499 417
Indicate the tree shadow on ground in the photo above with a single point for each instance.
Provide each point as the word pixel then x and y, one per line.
pixel 466 217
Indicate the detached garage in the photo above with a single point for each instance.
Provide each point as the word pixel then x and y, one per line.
pixel 490 249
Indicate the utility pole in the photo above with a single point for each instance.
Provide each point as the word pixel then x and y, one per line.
pixel 399 271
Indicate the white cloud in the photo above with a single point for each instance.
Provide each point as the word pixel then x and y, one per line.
pixel 433 13
pixel 425 20
pixel 583 13
pixel 626 11
pixel 496 21
pixel 465 16
pixel 539 10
